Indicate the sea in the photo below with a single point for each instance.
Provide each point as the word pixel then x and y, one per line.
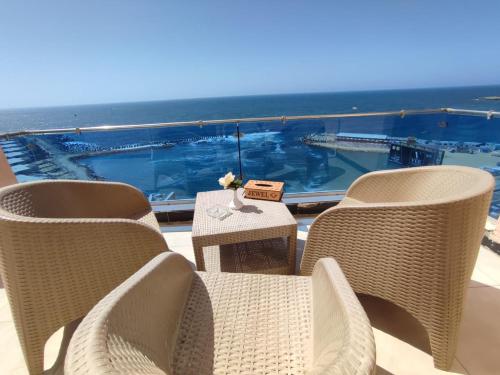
pixel 178 162
pixel 247 106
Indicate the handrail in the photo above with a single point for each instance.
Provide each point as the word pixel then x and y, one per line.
pixel 104 128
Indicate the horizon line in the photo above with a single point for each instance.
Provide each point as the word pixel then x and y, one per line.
pixel 242 96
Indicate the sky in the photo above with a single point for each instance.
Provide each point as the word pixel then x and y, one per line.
pixel 102 51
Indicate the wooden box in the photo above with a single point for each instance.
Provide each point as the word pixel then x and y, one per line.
pixel 266 190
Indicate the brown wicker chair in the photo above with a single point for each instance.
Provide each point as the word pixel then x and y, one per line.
pixel 168 319
pixel 409 236
pixel 63 246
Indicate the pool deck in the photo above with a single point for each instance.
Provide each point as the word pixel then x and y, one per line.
pixel 402 345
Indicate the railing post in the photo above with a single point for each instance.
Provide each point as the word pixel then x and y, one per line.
pixel 239 149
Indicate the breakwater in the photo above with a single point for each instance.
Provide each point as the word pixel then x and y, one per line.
pixel 345 143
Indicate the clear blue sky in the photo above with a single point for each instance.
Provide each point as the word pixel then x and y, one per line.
pixel 96 51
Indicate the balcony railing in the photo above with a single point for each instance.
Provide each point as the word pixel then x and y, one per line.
pixel 314 155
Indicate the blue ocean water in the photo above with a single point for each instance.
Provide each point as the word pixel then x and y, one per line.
pixel 247 106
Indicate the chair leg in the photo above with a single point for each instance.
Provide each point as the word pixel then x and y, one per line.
pixel 58 367
pixel 443 348
pixel 33 356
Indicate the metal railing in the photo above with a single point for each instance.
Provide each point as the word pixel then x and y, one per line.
pixel 283 119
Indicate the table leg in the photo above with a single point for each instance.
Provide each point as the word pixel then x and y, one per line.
pixel 292 251
pixel 198 255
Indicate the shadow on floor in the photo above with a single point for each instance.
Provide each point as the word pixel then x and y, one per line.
pixel 301 244
pixel 380 371
pixel 478 343
pixel 395 321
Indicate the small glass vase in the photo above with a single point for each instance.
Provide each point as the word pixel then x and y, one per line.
pixel 236 202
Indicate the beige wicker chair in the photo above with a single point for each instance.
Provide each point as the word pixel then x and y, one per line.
pixel 409 236
pixel 168 319
pixel 63 246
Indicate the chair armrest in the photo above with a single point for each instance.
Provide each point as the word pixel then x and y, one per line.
pixel 138 319
pixel 343 340
pixel 368 236
pixel 96 253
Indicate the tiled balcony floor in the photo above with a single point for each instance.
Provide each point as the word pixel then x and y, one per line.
pixel 402 345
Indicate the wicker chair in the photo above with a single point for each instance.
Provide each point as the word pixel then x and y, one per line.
pixel 409 236
pixel 168 319
pixel 63 246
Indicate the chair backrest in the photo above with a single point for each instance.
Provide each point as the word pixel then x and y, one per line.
pixel 133 329
pixel 72 199
pixel 57 262
pixel 422 184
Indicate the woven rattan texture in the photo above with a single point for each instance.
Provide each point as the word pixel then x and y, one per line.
pixel 411 237
pixel 125 334
pixel 255 215
pixel 229 324
pixel 56 267
pixel 245 324
pixel 341 345
pixel 19 202
pixel 149 218
pixel 263 256
pixel 258 220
